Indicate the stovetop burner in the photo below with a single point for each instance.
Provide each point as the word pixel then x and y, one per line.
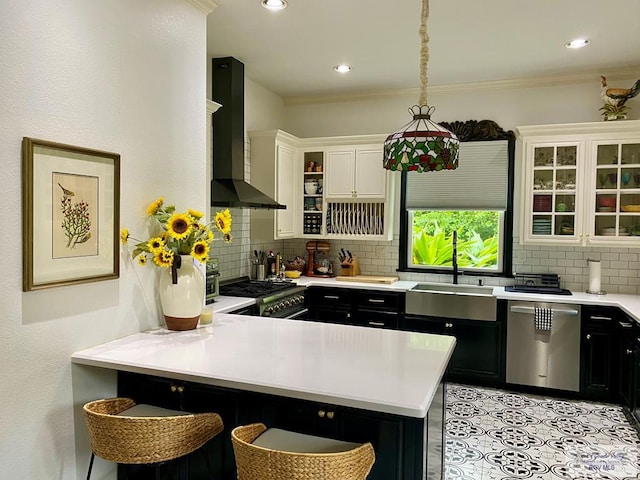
pixel 254 288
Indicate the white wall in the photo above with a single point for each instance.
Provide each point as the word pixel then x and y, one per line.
pixel 116 75
pixel 509 106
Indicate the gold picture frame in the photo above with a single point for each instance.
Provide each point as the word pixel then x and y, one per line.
pixel 70 214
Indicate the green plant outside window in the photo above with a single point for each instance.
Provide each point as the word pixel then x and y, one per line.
pixel 479 239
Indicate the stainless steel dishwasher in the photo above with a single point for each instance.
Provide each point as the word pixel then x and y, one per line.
pixel 543 345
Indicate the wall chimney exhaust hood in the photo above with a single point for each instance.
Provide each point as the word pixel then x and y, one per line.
pixel 228 188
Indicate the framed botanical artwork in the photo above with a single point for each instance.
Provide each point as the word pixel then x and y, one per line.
pixel 70 214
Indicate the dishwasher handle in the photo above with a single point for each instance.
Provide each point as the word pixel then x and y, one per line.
pixel 556 311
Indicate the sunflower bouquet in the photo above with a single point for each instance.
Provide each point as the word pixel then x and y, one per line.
pixel 183 234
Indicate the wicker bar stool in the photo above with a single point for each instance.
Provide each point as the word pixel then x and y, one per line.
pixel 274 454
pixel 122 432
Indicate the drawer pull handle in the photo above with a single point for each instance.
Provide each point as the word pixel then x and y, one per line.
pixel 376 300
pixel 331 297
pixel 377 324
pixel 629 351
pixel 588 336
pixel 330 415
pixel 625 324
pixel 598 317
pixel 556 311
pixel 321 413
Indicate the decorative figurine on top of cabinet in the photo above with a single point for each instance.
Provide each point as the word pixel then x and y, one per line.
pixel 614 107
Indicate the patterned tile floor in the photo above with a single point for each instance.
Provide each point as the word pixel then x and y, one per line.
pixel 500 435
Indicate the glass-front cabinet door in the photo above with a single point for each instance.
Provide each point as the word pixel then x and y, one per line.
pixel 554 183
pixel 615 181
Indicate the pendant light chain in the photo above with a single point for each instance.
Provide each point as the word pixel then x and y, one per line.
pixel 424 51
pixel 421 145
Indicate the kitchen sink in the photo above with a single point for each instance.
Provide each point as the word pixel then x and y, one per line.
pixel 452 289
pixel 470 302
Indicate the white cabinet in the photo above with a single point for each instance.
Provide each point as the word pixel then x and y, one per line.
pixel 286 193
pixel 581 184
pixel 356 172
pixel 274 171
pixel 333 187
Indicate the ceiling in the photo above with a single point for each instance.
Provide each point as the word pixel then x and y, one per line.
pixel 292 52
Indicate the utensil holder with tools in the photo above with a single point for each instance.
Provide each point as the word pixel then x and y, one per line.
pixel 350 267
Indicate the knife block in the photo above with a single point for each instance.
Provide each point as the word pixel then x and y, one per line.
pixel 350 269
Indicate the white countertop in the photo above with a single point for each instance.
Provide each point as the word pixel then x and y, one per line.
pixel 223 304
pixel 367 368
pixel 628 303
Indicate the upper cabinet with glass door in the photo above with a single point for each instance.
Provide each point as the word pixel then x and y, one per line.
pixel 578 183
pixel 554 186
pixel 616 181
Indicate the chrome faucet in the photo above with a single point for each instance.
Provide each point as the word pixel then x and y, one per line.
pixel 454 257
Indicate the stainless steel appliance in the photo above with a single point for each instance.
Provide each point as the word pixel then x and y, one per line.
pixel 543 345
pixel 279 299
pixel 212 280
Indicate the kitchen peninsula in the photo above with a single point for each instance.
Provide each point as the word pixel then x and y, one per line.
pixel 353 383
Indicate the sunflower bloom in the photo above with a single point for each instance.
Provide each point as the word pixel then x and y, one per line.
pixel 227 237
pixel 163 258
pixel 200 251
pixel 124 236
pixel 142 260
pixel 223 221
pixel 210 236
pixel 195 214
pixel 153 208
pixel 179 226
pixel 156 244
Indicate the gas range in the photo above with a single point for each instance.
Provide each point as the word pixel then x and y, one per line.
pixel 281 299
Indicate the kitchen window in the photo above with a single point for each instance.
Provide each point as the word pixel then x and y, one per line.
pixel 475 201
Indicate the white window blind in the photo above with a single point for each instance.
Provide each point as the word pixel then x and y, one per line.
pixel 479 182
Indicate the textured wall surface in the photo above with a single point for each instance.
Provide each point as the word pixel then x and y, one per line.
pixel 121 76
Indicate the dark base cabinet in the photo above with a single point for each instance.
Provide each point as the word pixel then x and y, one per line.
pixel 598 361
pixel 369 308
pixel 628 333
pixel 478 356
pixel 329 305
pixel 400 443
pixel 190 397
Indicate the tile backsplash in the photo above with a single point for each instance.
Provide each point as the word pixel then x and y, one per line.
pixel 620 266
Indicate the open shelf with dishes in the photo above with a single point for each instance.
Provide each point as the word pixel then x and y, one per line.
pixel 313 193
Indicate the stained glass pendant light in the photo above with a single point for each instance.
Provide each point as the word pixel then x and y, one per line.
pixel 422 145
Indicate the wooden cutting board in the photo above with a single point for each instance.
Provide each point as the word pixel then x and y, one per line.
pixel 367 279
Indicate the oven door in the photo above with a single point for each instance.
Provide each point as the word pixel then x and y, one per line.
pixel 299 315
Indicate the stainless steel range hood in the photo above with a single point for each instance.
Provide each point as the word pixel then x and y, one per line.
pixel 228 188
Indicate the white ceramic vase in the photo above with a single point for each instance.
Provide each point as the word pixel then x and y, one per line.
pixel 182 302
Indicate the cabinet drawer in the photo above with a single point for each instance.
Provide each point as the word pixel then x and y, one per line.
pixel 377 319
pixel 374 299
pixel 330 296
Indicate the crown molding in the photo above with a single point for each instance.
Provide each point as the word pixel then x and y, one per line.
pixel 205 6
pixel 534 82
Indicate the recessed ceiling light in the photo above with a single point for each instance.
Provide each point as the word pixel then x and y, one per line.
pixel 577 43
pixel 274 4
pixel 342 68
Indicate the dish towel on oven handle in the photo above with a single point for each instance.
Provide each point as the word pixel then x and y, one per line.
pixel 543 318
